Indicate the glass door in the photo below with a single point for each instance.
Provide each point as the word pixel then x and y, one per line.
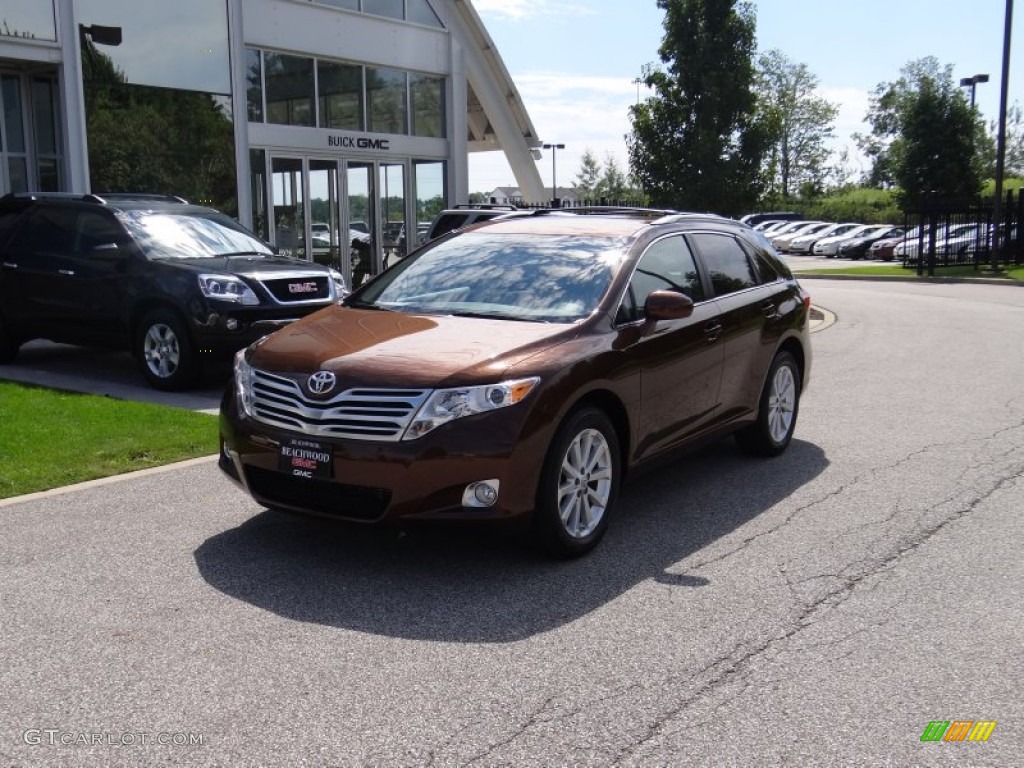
pixel 289 231
pixel 360 212
pixel 325 212
pixel 392 212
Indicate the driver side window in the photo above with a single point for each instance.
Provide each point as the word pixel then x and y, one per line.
pixel 667 265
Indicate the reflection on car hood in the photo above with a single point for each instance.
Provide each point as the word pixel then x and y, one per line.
pixel 393 349
pixel 249 264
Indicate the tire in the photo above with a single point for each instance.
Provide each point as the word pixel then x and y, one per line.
pixel 777 410
pixel 8 344
pixel 167 356
pixel 582 467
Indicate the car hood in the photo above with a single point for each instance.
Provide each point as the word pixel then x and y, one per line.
pixel 382 348
pixel 248 264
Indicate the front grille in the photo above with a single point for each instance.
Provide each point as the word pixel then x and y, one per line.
pixel 352 502
pixel 358 414
pixel 298 288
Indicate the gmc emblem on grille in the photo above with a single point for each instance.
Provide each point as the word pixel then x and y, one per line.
pixel 302 288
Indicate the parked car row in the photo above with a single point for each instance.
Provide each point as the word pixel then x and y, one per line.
pixel 823 238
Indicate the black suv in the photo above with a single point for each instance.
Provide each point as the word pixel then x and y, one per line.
pixel 172 282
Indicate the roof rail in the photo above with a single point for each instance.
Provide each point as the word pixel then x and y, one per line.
pixel 609 210
pixel 47 196
pixel 124 197
pixel 484 207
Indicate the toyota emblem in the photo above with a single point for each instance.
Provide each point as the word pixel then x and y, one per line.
pixel 321 382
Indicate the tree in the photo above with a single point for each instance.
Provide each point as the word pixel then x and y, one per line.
pixel 696 144
pixel 589 175
pixel 925 137
pixel 799 123
pixel 613 183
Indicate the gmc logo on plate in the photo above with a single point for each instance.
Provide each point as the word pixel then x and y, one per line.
pixel 302 288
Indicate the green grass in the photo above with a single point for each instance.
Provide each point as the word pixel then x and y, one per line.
pixel 51 438
pixel 891 270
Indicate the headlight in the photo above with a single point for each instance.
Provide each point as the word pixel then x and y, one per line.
pixel 243 383
pixel 227 288
pixel 449 404
pixel 339 284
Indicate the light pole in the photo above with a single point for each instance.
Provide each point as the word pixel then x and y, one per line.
pixel 972 82
pixel 554 177
pixel 997 206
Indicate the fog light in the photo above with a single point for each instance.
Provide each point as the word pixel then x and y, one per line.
pixel 483 493
pixel 231 324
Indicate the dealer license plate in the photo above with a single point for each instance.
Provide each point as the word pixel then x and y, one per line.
pixel 307 459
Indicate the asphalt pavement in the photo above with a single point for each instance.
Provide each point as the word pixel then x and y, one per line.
pixel 821 608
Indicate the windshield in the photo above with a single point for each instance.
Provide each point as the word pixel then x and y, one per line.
pixel 544 278
pixel 191 235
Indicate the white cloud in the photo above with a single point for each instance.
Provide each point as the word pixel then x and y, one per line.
pixel 579 111
pixel 519 10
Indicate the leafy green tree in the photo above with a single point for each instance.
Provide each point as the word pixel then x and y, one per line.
pixel 589 176
pixel 158 140
pixel 799 122
pixel 925 137
pixel 696 143
pixel 613 183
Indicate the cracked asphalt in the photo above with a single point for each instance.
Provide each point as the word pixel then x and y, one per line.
pixel 816 609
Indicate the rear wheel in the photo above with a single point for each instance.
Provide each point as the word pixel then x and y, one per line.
pixel 169 361
pixel 771 434
pixel 579 484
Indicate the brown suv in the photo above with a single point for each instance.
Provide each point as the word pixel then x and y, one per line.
pixel 520 369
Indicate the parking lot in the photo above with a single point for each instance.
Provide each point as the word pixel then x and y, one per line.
pixel 819 608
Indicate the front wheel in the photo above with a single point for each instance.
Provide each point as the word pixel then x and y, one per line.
pixel 771 434
pixel 579 484
pixel 169 361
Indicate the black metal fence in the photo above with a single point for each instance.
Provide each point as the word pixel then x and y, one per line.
pixel 944 236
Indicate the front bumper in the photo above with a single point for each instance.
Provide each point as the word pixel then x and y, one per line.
pixel 373 481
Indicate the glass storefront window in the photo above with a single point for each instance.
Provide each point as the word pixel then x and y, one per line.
pixel 386 101
pixel 341 95
pixel 393 9
pixel 348 5
pixel 430 196
pixel 258 189
pixel 30 19
pixel 10 95
pixel 182 44
pixel 254 85
pixel 420 12
pixel 289 88
pixel 427 96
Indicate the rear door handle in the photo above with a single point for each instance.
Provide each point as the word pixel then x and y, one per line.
pixel 9 265
pixel 769 308
pixel 68 272
pixel 713 329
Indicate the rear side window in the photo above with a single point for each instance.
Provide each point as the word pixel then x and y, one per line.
pixel 447 223
pixel 50 230
pixel 727 262
pixel 667 265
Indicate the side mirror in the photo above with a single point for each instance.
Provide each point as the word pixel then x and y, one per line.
pixel 667 305
pixel 109 250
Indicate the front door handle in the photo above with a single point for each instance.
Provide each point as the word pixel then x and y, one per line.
pixel 9 265
pixel 67 272
pixel 713 329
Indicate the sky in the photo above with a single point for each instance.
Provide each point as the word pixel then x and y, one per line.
pixel 575 62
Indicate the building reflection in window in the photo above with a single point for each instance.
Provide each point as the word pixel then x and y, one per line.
pixel 158 109
pixel 289 89
pixel 385 100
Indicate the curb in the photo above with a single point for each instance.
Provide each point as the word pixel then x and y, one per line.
pixel 909 279
pixel 821 318
pixel 106 480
